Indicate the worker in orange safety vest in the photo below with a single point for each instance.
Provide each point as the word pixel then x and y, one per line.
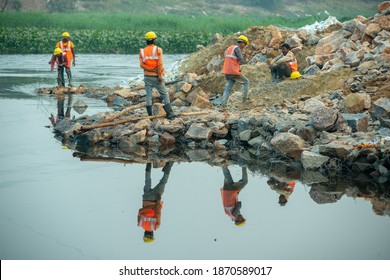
pixel 284 189
pixel 149 216
pixel 232 72
pixel 151 60
pixel 284 65
pixel 229 194
pixel 67 46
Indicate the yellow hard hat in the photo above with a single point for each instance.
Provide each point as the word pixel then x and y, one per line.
pixel 65 34
pixel 295 75
pixel 240 224
pixel 148 239
pixel 57 51
pixel 244 39
pixel 150 35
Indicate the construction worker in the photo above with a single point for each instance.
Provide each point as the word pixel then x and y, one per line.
pixel 149 216
pixel 229 193
pixel 284 65
pixel 67 46
pixel 151 60
pixel 61 59
pixel 231 69
pixel 61 113
pixel 284 189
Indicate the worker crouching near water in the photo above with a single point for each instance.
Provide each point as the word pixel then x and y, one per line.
pixel 151 60
pixel 284 65
pixel 61 59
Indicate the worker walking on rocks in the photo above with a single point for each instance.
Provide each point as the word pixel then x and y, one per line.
pixel 284 65
pixel 151 60
pixel 67 46
pixel 149 216
pixel 231 69
pixel 229 193
pixel 60 59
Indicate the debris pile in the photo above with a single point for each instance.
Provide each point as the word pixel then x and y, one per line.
pixel 318 121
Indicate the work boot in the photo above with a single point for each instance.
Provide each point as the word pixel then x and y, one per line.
pixel 168 109
pixel 60 83
pixel 70 82
pixel 167 168
pixel 149 110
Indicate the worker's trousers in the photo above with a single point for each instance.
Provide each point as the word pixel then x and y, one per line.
pixel 229 184
pixel 61 78
pixel 154 194
pixel 230 81
pixel 152 82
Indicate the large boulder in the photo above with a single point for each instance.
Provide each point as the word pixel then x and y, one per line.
pixel 312 161
pixel 288 144
pixel 324 119
pixel 198 132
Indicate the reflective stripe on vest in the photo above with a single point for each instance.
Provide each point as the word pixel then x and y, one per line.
pixel 152 222
pixel 152 57
pixel 231 54
pixel 67 47
pixel 228 211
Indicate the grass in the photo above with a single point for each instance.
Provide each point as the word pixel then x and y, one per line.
pixel 97 32
pixel 146 22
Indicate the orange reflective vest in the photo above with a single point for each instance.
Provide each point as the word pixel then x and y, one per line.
pixel 231 65
pixel 148 220
pixel 67 48
pixel 293 64
pixel 149 56
pixel 229 201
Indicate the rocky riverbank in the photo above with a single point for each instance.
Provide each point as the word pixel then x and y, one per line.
pixel 336 120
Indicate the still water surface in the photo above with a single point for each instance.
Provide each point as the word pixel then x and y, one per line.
pixel 53 206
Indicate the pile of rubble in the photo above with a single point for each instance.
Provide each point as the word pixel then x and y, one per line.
pixel 337 116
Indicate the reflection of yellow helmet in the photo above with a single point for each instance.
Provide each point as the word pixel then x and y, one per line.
pixel 295 75
pixel 244 39
pixel 57 51
pixel 148 239
pixel 65 34
pixel 150 35
pixel 240 224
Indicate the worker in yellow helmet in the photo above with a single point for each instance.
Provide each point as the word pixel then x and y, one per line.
pixel 229 194
pixel 284 189
pixel 149 216
pixel 60 60
pixel 285 65
pixel 151 60
pixel 67 46
pixel 231 69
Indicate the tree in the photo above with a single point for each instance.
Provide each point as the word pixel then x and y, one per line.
pixel 4 4
pixel 61 5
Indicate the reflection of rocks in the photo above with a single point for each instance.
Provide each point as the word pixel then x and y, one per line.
pixel 333 120
pixel 322 194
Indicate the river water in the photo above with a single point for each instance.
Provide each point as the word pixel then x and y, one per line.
pixel 54 206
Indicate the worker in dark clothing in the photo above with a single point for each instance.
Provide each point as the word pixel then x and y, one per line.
pixel 284 65
pixel 60 59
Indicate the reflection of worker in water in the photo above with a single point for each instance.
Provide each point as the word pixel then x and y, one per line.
pixel 61 113
pixel 284 189
pixel 229 193
pixel 149 216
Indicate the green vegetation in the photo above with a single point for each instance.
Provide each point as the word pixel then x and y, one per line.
pixel 37 32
